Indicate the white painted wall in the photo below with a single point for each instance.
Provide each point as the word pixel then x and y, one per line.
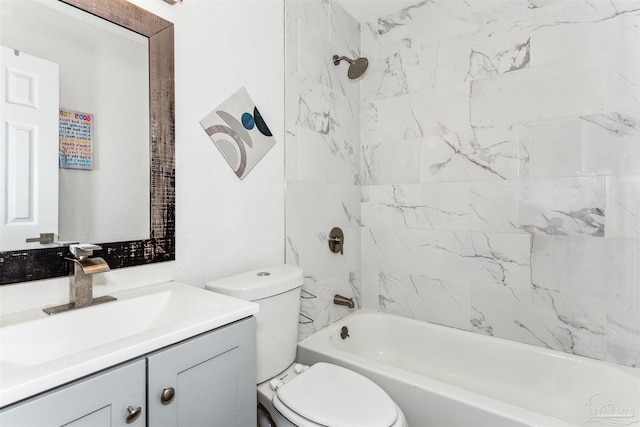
pixel 224 225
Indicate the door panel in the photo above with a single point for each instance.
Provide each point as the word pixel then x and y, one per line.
pixel 29 109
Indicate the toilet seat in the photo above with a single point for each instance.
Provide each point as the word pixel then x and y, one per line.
pixel 303 422
pixel 329 395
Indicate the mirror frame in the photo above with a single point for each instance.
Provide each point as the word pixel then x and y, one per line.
pixel 37 264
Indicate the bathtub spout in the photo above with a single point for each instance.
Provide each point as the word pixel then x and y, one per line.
pixel 340 300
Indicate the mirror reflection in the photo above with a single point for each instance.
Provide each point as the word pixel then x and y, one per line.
pixel 102 191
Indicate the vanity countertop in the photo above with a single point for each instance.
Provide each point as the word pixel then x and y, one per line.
pixel 40 352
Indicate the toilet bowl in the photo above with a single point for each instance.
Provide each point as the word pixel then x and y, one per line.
pixel 297 395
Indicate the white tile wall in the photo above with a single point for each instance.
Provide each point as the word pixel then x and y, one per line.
pixel 323 156
pixel 569 323
pixel 524 221
pixel 555 90
pixel 433 300
pixel 498 150
pixel 623 207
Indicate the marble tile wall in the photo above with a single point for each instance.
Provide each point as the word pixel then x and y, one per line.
pixel 486 169
pixel 322 156
pixel 500 170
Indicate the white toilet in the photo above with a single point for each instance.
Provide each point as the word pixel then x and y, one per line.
pixel 296 395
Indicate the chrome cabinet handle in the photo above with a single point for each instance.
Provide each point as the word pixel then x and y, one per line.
pixel 167 395
pixel 133 414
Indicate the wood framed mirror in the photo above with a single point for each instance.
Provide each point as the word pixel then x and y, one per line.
pixel 36 264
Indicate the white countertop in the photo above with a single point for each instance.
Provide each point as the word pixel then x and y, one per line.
pixel 40 352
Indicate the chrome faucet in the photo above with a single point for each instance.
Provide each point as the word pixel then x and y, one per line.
pixel 340 300
pixel 85 265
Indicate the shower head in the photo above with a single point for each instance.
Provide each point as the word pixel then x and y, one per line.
pixel 357 66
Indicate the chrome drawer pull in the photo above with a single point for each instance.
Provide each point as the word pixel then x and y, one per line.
pixel 167 395
pixel 133 414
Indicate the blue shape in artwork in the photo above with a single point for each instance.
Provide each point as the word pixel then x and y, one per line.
pixel 247 121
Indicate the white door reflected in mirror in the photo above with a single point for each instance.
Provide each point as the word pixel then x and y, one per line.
pixel 29 149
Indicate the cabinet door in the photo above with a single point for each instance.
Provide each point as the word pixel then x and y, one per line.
pixel 97 401
pixel 213 377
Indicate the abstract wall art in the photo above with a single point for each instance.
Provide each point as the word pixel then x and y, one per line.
pixel 238 130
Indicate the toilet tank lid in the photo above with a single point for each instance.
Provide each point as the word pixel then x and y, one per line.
pixel 259 283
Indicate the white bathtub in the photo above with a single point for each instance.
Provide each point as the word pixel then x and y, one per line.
pixel 445 377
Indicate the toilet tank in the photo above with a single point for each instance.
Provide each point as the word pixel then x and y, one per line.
pixel 276 290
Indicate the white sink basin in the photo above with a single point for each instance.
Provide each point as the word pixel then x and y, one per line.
pixel 42 352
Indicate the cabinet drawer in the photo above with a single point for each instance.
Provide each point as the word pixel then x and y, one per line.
pixel 100 400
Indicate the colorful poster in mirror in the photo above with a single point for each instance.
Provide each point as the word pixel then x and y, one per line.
pixel 76 140
pixel 237 128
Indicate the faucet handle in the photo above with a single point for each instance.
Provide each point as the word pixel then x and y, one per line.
pixel 84 249
pixel 336 240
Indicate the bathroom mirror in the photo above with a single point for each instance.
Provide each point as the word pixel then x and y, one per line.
pixel 103 75
pixel 26 265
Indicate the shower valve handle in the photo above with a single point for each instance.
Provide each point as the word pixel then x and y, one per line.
pixel 336 240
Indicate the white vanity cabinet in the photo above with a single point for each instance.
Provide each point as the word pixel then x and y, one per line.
pixel 207 380
pixel 97 401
